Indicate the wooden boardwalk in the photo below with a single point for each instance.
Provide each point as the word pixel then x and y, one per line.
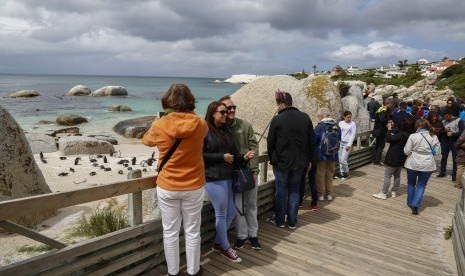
pixel 355 234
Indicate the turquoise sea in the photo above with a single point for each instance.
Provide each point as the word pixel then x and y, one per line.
pixel 144 94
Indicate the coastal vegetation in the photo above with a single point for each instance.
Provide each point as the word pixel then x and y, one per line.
pixel 454 78
pixel 100 222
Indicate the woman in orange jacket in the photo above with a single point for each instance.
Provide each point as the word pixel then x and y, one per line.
pixel 180 184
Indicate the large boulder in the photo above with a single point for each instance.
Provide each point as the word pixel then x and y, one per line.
pixel 73 145
pixel 41 143
pixel 70 120
pixel 120 108
pixel 23 94
pixel 354 103
pixel 256 100
pixel 19 174
pixel 134 128
pixel 110 91
pixel 79 90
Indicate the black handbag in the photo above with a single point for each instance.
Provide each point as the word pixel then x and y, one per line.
pixel 243 180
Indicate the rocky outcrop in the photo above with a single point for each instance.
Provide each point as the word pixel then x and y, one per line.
pixel 73 145
pixel 354 103
pixel 23 94
pixel 19 174
pixel 70 120
pixel 79 90
pixel 110 91
pixel 120 108
pixel 41 143
pixel 110 139
pixel 134 128
pixel 256 100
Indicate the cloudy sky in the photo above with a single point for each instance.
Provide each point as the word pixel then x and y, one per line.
pixel 212 38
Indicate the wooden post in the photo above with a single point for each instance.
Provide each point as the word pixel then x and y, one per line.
pixel 264 168
pixel 135 201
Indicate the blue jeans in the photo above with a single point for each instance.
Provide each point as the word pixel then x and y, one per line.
pixel 416 181
pixel 221 196
pixel 287 190
pixel 446 146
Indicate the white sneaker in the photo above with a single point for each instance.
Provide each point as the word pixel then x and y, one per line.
pixel 393 194
pixel 381 195
pixel 329 197
pixel 321 198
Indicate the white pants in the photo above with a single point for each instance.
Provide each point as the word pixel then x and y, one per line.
pixel 177 206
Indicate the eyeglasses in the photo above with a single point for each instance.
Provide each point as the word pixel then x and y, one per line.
pixel 231 107
pixel 222 112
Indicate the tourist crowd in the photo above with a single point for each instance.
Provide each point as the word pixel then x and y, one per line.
pixel 198 155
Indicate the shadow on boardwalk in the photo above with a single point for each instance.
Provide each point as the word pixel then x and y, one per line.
pixel 355 234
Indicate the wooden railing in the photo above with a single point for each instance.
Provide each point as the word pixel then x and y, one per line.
pixel 458 234
pixel 132 250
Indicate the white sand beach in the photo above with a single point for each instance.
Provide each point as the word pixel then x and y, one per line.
pixel 58 226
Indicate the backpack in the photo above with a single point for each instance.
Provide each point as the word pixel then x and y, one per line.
pixel 329 144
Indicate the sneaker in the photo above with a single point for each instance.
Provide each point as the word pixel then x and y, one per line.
pixel 381 195
pixel 344 176
pixel 274 223
pixel 321 198
pixel 292 227
pixel 240 243
pixel 381 164
pixel 254 243
pixel 231 255
pixel 337 176
pixel 217 247
pixel 414 210
pixel 313 207
pixel 329 197
pixel 393 194
pixel 441 175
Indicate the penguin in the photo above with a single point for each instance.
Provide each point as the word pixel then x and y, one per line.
pixel 43 161
pixel 62 158
pixel 71 169
pixel 76 161
pixel 133 161
pixel 105 159
pixel 41 155
pixel 92 173
pixel 63 174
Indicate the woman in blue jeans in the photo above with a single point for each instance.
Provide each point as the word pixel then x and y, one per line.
pixel 420 149
pixel 219 155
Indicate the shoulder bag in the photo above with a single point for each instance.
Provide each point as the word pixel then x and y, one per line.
pixel 243 181
pixel 168 155
pixel 433 150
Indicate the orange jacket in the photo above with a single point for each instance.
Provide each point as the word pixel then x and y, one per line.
pixel 184 171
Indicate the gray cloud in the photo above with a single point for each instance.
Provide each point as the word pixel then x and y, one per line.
pixel 220 38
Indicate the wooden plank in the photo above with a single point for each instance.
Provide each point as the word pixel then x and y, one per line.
pixel 13 227
pixel 135 201
pixel 20 207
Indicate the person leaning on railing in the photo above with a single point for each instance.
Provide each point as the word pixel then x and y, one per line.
pixel 180 184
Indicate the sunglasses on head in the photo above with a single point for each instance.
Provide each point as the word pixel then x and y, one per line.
pixel 222 112
pixel 231 107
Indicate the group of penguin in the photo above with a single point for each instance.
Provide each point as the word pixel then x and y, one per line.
pixel 94 161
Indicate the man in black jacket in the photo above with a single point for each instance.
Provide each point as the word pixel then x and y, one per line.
pixel 379 131
pixel 290 142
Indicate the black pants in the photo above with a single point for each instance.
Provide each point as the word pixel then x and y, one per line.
pixel 312 183
pixel 378 149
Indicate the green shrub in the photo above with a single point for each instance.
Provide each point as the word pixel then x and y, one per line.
pixel 31 249
pixel 343 89
pixel 448 232
pixel 100 222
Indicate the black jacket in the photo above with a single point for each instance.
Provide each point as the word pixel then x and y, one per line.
pixel 291 140
pixel 213 157
pixel 381 119
pixel 395 156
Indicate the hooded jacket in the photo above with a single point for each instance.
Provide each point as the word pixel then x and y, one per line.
pixel 418 151
pixel 184 171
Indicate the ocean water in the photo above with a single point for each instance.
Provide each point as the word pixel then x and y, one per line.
pixel 144 98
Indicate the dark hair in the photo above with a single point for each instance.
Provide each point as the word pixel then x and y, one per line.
pixel 424 124
pixel 217 131
pixel 347 112
pixel 447 111
pixel 283 98
pixel 178 97
pixel 406 125
pixel 224 98
pixel 451 99
pixel 402 105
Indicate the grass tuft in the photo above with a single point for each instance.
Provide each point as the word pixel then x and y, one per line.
pixel 33 249
pixel 448 232
pixel 100 222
